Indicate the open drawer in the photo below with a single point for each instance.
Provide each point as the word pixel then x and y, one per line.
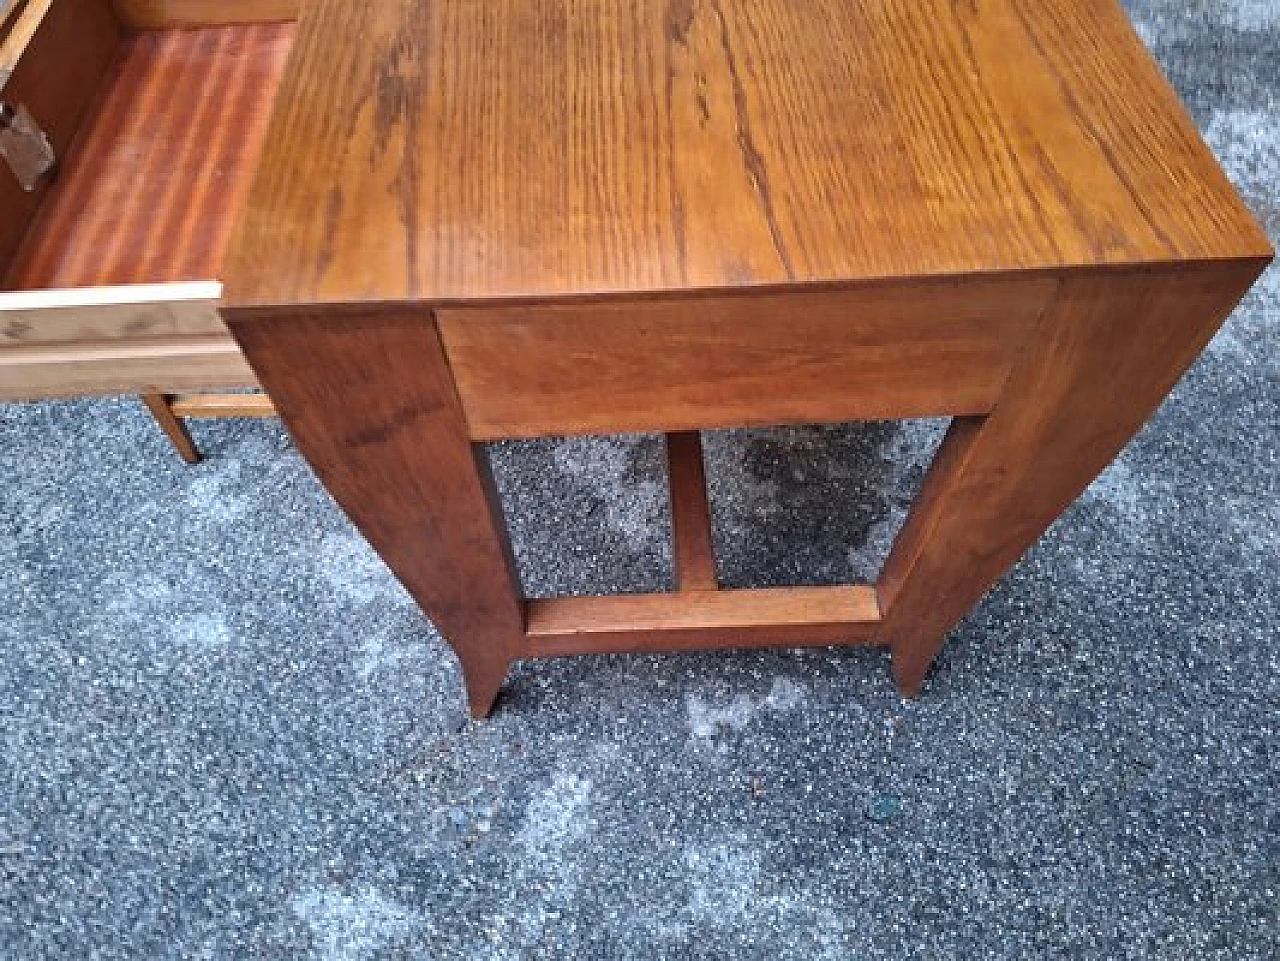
pixel 155 112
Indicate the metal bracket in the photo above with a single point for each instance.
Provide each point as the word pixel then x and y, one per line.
pixel 24 146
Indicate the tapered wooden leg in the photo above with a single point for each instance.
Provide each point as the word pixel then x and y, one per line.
pixel 173 427
pixel 1106 352
pixel 368 397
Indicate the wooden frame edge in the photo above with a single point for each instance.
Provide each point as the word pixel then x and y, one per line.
pixel 137 15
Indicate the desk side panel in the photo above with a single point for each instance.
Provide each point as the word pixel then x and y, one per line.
pixel 887 351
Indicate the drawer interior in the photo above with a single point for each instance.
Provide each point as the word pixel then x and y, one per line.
pixel 150 188
pixel 110 267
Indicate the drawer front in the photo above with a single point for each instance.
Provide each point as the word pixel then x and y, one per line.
pixel 877 352
pixel 159 338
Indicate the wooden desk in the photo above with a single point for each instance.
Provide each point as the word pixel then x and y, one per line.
pixel 478 220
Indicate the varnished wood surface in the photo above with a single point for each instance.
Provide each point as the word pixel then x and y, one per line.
pixel 222 405
pixel 699 620
pixel 692 549
pixel 618 215
pixel 1106 353
pixel 164 161
pixel 154 14
pixel 478 149
pixel 368 398
pixel 884 350
pixel 56 77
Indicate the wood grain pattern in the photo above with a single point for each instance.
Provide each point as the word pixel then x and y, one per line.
pixel 56 78
pixel 151 191
pixel 222 405
pixel 97 315
pixel 156 14
pixel 766 617
pixel 125 367
pixel 628 215
pixel 96 340
pixel 368 397
pixel 1108 351
pixel 691 547
pixel 879 351
pixel 552 149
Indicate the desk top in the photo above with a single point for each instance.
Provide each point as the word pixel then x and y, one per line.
pixel 475 150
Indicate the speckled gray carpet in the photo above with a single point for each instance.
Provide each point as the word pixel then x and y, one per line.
pixel 228 734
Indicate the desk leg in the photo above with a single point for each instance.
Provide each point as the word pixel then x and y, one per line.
pixel 370 401
pixel 1107 351
pixel 173 427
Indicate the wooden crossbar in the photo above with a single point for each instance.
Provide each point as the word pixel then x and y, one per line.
pixel 766 617
pixel 170 409
pixel 698 615
pixel 222 405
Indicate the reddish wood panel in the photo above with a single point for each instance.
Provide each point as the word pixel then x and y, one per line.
pixel 163 162
pixel 878 351
pixel 56 78
pixel 1108 351
pixel 367 396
